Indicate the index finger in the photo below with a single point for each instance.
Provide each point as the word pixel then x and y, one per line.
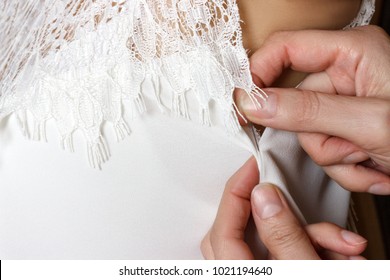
pixel 307 51
pixel 227 233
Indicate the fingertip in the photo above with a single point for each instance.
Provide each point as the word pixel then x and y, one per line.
pixel 257 109
pixel 266 201
pixel 257 80
pixel 355 157
pixel 357 258
pixel 238 93
pixel 246 176
pixel 335 239
pixel 352 238
pixel 380 189
pixel 277 227
pixel 358 178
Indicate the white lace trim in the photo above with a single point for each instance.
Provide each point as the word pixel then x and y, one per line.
pixel 365 14
pixel 77 61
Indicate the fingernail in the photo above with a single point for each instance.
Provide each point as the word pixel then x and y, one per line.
pixel 267 202
pixel 380 189
pixel 355 157
pixel 352 238
pixel 357 258
pixel 250 106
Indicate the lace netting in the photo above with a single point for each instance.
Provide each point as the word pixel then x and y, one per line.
pixel 77 61
pixel 365 14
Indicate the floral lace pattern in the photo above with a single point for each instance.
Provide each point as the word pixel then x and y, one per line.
pixel 80 62
pixel 365 14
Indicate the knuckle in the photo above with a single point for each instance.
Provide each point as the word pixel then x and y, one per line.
pixel 285 237
pixel 308 108
pixel 314 148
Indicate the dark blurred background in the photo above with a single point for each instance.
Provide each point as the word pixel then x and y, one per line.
pixel 384 18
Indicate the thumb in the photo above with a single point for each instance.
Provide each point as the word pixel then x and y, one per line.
pixel 277 226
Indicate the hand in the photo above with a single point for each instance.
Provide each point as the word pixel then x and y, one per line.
pixel 277 226
pixel 347 130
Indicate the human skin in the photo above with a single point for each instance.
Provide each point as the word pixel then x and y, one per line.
pixel 341 110
pixel 261 18
pixel 277 226
pixel 225 240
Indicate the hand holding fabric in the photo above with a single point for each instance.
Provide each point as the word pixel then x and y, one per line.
pixel 341 111
pixel 278 228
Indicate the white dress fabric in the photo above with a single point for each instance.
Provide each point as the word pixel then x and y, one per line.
pixel 92 72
